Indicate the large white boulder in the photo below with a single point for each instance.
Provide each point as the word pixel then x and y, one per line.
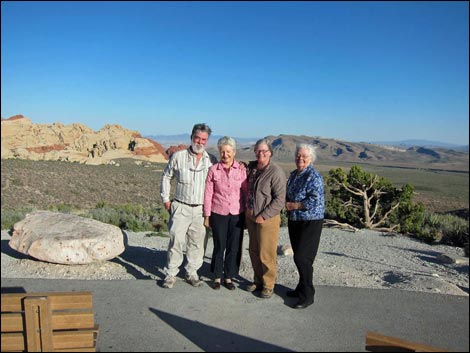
pixel 66 238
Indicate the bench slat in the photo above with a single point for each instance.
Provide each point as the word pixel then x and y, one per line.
pixel 13 342
pixel 73 339
pixel 60 340
pixel 73 320
pixel 12 302
pixel 92 349
pixel 12 322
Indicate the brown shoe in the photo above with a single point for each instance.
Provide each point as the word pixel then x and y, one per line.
pixel 253 287
pixel 229 285
pixel 266 293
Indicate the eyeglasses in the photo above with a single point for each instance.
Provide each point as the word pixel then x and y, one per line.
pixel 301 156
pixel 262 151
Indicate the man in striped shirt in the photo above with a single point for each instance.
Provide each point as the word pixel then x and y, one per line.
pixel 186 224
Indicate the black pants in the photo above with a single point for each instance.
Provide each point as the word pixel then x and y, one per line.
pixel 305 239
pixel 227 232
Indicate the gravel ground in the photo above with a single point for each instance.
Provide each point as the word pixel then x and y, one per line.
pixel 365 259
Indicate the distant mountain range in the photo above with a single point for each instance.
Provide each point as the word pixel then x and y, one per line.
pixel 410 153
pixel 332 150
pixel 185 139
pixel 174 140
pixel 422 143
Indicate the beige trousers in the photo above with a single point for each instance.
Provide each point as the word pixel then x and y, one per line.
pixel 186 228
pixel 263 250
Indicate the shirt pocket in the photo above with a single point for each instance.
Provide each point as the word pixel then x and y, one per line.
pixel 239 177
pixel 185 176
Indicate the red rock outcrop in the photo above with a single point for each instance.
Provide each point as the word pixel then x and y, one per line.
pixel 172 149
pixel 20 138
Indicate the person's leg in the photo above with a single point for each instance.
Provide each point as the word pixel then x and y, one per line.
pixel 219 225
pixel 308 234
pixel 232 252
pixel 177 226
pixel 293 228
pixel 242 221
pixel 268 240
pixel 253 250
pixel 195 242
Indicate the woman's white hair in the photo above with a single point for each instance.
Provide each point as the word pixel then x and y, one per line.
pixel 310 148
pixel 227 141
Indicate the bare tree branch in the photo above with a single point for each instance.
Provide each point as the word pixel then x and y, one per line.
pixel 335 224
pixel 387 214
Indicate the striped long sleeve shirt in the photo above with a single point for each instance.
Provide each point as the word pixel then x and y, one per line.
pixel 190 179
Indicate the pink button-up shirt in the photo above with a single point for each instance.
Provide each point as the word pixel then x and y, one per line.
pixel 226 190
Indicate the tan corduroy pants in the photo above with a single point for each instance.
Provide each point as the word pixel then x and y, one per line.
pixel 263 250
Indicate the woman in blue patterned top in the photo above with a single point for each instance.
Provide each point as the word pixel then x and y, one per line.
pixel 305 204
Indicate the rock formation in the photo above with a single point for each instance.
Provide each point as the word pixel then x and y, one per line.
pixel 172 149
pixel 66 238
pixel 75 143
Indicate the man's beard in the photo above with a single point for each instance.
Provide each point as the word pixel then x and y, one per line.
pixel 197 148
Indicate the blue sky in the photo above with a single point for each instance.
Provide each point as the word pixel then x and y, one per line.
pixel 356 71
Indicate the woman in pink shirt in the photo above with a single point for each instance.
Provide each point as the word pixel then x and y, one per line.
pixel 224 207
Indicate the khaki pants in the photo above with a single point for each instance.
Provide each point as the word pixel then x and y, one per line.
pixel 263 250
pixel 186 228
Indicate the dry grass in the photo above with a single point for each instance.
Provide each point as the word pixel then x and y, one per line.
pixel 42 184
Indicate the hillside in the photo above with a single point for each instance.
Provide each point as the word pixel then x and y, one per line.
pixel 331 151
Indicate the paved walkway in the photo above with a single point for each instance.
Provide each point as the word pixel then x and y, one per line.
pixel 139 315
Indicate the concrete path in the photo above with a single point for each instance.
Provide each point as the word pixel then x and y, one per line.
pixel 139 315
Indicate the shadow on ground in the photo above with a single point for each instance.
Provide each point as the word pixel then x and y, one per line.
pixel 213 339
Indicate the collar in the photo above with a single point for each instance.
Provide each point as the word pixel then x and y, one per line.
pixel 235 165
pixel 310 167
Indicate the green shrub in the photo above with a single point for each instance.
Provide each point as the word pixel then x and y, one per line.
pixel 284 218
pixel 428 234
pixel 410 217
pixel 446 229
pixel 105 215
pixel 62 208
pixel 10 217
pixel 136 218
pixel 454 230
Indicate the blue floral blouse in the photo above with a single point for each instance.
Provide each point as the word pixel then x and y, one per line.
pixel 306 187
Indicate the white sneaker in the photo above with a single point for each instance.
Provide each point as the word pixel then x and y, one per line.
pixel 169 282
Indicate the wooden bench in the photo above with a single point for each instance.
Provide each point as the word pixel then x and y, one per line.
pixel 48 322
pixel 376 342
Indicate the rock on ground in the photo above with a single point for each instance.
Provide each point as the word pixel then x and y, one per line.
pixel 66 238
